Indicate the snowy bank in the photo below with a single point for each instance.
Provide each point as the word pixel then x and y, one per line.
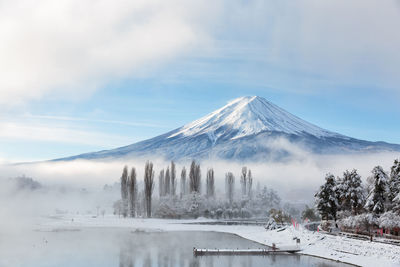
pixel 339 248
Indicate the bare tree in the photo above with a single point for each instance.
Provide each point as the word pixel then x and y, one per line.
pixel 183 182
pixel 195 177
pixel 148 185
pixel 249 184
pixel 210 187
pixel 229 186
pixel 197 184
pixel 258 188
pixel 243 181
pixel 161 183
pixel 173 179
pixel 167 183
pixel 192 176
pixel 132 192
pixel 124 191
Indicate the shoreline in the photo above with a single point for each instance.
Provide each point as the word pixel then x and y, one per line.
pixel 354 252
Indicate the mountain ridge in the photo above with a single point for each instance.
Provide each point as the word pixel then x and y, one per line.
pixel 246 128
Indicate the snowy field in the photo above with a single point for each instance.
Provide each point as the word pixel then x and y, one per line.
pixel 358 252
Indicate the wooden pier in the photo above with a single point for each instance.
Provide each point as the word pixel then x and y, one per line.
pixel 206 252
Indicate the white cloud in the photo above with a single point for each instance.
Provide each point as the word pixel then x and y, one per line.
pixel 52 133
pixel 80 119
pixel 72 47
pixel 317 44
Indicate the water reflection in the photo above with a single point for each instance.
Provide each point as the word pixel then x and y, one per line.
pixel 120 247
pixel 175 250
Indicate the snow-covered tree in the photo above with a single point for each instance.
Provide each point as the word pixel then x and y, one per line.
pixel 350 192
pixel 229 186
pixel 167 183
pixel 249 184
pixel 394 183
pixel 243 181
pixel 273 198
pixel 258 188
pixel 183 182
pixel 173 179
pixel 326 199
pixel 195 177
pixel 117 207
pixel 161 184
pixel 378 194
pixel 197 184
pixel 394 187
pixel 132 192
pixel 389 220
pixel 364 220
pixel 148 186
pixel 210 187
pixel 271 224
pixel 396 204
pixel 124 191
pixel 309 214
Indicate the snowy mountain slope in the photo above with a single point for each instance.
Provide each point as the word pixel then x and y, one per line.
pixel 248 116
pixel 246 128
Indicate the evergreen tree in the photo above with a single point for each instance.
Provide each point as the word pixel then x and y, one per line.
pixel 396 204
pixel 378 195
pixel 309 214
pixel 340 192
pixel 124 191
pixel 394 182
pixel 326 199
pixel 350 192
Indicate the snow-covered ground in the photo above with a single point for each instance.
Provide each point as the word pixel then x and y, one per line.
pixel 358 252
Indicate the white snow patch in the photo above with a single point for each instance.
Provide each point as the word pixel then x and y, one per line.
pixel 251 115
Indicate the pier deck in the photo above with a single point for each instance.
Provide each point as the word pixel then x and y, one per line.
pixel 205 252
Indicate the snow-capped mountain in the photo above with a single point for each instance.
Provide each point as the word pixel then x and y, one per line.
pixel 247 116
pixel 246 128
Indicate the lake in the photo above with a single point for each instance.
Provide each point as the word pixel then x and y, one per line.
pixel 126 248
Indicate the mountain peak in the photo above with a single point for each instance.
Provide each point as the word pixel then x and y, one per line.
pixel 246 116
pixel 242 129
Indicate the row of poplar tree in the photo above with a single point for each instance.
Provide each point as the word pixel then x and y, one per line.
pixel 347 193
pixel 168 184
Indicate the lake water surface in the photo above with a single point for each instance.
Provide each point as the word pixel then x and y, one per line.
pixel 122 247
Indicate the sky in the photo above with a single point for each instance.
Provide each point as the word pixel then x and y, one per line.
pixel 81 76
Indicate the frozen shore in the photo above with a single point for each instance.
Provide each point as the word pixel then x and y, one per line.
pixel 358 252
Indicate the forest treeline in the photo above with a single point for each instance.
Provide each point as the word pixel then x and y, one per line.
pixel 185 194
pixel 356 205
